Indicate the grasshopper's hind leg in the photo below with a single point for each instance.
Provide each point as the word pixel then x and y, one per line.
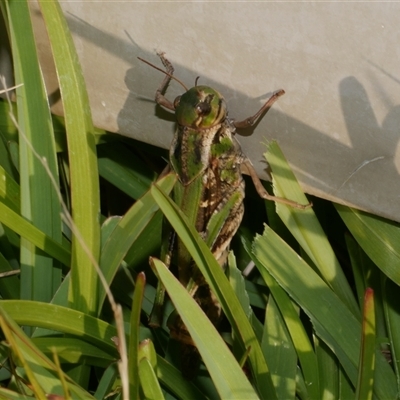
pixel 248 168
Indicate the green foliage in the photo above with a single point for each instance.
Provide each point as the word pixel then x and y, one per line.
pixel 301 325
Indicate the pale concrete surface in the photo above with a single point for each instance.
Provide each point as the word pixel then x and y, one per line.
pixel 338 123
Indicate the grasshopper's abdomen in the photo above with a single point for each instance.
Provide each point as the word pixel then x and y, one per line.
pixel 225 188
pixel 211 194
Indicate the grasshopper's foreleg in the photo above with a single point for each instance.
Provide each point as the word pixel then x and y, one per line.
pixel 250 121
pixel 160 98
pixel 247 167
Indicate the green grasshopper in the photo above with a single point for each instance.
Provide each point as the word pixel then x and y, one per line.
pixel 209 163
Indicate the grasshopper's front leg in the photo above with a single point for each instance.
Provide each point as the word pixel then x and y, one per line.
pixel 169 74
pixel 160 98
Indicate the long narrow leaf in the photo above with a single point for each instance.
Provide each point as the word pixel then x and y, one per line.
pixel 42 370
pixel 127 231
pixel 172 379
pixel 82 160
pixel 72 350
pixel 392 317
pixel 39 199
pixel 133 348
pixel 328 371
pixel 149 382
pixel 9 286
pixel 106 382
pixel 62 319
pixel 280 353
pixel 24 228
pixel 124 170
pixel 9 191
pixel 300 339
pixel 231 383
pixel 331 318
pixel 305 227
pixel 378 237
pixel 365 381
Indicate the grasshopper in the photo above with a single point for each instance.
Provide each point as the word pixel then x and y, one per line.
pixel 209 163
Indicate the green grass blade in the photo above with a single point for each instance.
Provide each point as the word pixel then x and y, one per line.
pixel 332 320
pixel 368 275
pixel 378 237
pixel 9 286
pixel 147 362
pixel 328 371
pixel 127 230
pixel 124 170
pixel 28 231
pixel 133 349
pixel 82 160
pixel 147 243
pixel 238 284
pixel 149 382
pixel 279 350
pixel 361 266
pixel 9 133
pixel 39 199
pixel 305 227
pixel 10 395
pixel 11 336
pixel 365 382
pixel 106 382
pixel 392 317
pixel 74 351
pixel 42 372
pixel 9 191
pixel 173 380
pixel 62 319
pixel 294 325
pixel 231 383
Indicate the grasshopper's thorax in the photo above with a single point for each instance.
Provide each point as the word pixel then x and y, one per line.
pixel 204 133
pixel 204 148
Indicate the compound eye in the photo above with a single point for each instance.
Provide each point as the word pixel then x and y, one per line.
pixel 204 107
pixel 177 101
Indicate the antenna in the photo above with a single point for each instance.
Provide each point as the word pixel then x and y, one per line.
pixel 164 72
